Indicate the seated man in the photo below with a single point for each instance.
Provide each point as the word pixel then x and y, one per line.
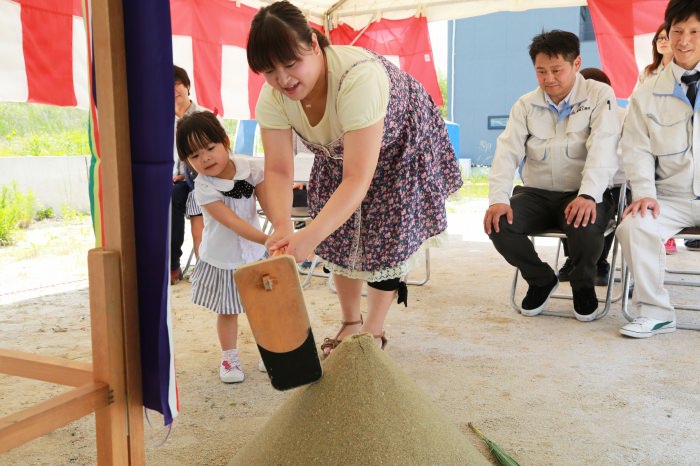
pixel 567 132
pixel 662 164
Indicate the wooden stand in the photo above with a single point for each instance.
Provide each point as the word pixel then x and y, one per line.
pixel 93 392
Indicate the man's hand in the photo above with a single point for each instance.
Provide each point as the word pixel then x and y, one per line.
pixel 178 178
pixel 493 216
pixel 580 212
pixel 640 206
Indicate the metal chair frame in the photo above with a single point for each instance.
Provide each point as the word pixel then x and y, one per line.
pixel 686 233
pixel 609 298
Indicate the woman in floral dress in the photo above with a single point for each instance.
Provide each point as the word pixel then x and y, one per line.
pixel 383 165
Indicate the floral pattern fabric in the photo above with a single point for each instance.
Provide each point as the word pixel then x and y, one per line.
pixel 405 204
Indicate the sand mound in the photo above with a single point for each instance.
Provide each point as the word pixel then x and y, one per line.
pixel 363 411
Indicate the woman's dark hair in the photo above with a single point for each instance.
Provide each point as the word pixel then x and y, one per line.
pixel 555 43
pixel 196 131
pixel 277 35
pixel 596 74
pixel 656 62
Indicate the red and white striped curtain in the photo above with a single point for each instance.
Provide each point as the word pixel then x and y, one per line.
pixel 44 53
pixel 42 43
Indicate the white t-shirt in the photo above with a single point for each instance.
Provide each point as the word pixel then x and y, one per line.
pixel 360 102
pixel 221 246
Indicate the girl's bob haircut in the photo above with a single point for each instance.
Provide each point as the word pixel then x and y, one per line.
pixel 278 33
pixel 196 131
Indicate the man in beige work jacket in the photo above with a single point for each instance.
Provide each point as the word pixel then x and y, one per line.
pixel 567 132
pixel 661 155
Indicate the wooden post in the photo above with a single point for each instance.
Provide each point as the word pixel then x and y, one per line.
pixel 108 355
pixel 113 117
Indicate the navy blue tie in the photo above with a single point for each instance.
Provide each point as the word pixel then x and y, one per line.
pixel 691 80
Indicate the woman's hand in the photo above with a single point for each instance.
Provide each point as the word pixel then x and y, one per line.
pixel 299 244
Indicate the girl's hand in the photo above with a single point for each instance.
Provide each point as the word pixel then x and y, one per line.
pixel 278 239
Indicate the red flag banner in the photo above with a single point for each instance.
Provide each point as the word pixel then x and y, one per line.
pixel 624 30
pixel 45 52
pixel 209 40
pixel 406 42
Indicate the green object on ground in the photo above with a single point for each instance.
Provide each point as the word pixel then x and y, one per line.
pixel 502 458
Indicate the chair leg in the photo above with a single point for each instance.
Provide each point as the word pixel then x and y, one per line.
pixel 427 271
pixel 512 291
pixel 311 272
pixel 189 262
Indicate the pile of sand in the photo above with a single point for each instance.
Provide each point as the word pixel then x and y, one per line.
pixel 364 410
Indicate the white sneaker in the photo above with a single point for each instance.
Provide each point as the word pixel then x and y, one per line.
pixel 230 371
pixel 644 327
pixel 261 366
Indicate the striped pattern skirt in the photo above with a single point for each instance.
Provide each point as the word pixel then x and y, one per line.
pixel 215 289
pixel 192 209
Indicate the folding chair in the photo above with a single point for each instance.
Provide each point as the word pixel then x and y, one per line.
pixel 685 233
pixel 560 235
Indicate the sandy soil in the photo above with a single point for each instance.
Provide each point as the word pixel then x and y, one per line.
pixel 550 390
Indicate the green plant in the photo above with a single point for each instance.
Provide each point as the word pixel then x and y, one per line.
pixel 16 212
pixel 35 129
pixel 230 126
pixel 442 82
pixel 43 214
pixel 69 213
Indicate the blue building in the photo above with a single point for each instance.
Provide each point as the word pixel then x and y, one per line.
pixel 489 68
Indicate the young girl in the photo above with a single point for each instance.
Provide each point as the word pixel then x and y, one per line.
pixel 225 189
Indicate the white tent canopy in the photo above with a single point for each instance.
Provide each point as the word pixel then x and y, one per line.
pixel 358 13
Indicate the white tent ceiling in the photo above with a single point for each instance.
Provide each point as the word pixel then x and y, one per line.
pixel 358 13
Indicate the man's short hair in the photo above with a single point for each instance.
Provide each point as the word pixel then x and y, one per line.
pixel 555 43
pixel 181 76
pixel 680 10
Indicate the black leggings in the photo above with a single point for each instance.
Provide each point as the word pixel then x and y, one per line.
pixel 391 285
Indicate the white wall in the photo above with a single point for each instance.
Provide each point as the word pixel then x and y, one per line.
pixel 55 181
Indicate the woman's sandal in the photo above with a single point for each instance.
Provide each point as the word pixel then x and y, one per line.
pixel 332 343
